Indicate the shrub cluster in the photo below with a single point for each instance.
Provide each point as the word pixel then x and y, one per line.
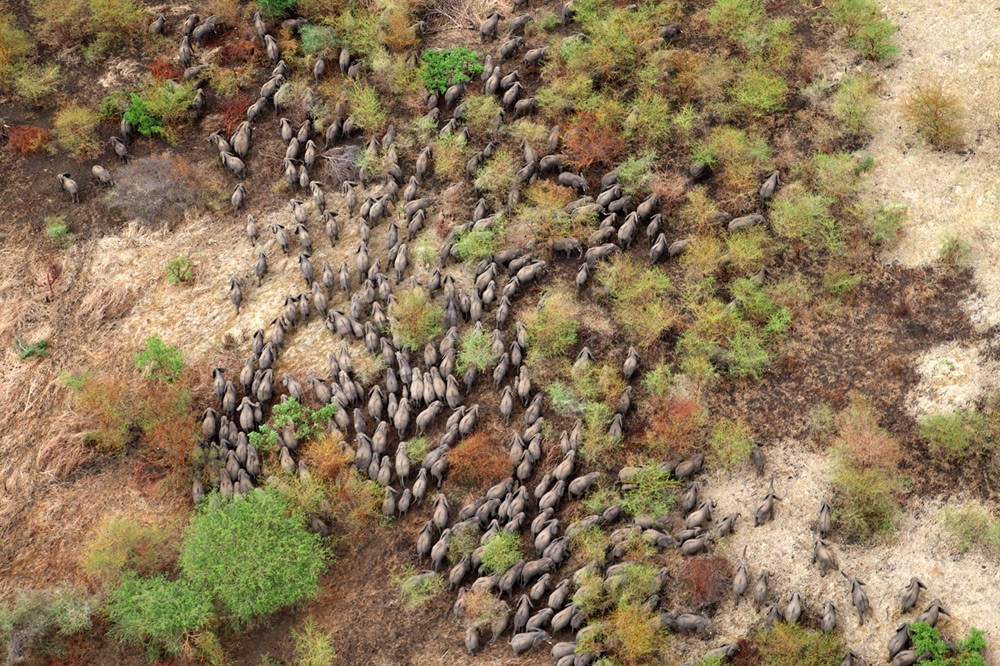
pixel 415 319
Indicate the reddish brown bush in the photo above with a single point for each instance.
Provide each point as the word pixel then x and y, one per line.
pixel 162 69
pixel 169 432
pixel 594 140
pixel 234 109
pixel 478 461
pixel 748 654
pixel 675 424
pixel 706 579
pixel 27 139
pixel 237 52
pixel 861 437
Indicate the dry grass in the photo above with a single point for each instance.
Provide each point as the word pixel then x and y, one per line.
pixel 104 303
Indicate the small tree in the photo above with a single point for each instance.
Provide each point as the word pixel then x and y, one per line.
pixel 444 68
pixel 161 612
pixel 936 115
pixel 160 361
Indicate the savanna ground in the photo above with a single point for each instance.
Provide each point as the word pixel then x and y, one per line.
pixel 914 337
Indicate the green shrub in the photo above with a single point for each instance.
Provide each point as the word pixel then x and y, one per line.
pixel 840 284
pixel 307 423
pixel 366 108
pixel 954 251
pixel 552 326
pixel 497 176
pixel 36 619
pixel 730 442
pixel 864 502
pixel 973 526
pixel 75 129
pixel 313 646
pixel 275 8
pixel 737 157
pixel 157 108
pixel 464 539
pixel 653 492
pixel 15 45
pixel 180 270
pixel 660 380
pixel 793 645
pixel 936 115
pixel 441 68
pixel 482 114
pixel 122 544
pixel 415 318
pixel 160 361
pixel 953 437
pixel 590 544
pixel 638 298
pixel 418 447
pixel 35 83
pixel 886 226
pixel 279 560
pixel 158 611
pixel 475 348
pixel 476 244
pixel 801 216
pixel 418 588
pixel 501 551
pixel 316 38
pixel 26 350
pixel 759 94
pixel 635 173
pixel 928 641
pixel 866 30
pixel 57 230
pixel 854 104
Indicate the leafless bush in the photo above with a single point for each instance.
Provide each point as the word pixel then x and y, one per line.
pixel 465 13
pixel 155 189
pixel 342 163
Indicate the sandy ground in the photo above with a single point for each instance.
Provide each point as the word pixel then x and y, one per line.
pixel 967 585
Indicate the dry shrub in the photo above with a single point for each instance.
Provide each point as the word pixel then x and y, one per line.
pixel 156 189
pixel 237 52
pixel 594 140
pixel 107 407
pixel 342 163
pixel 326 455
pixel 937 115
pixel 27 139
pixel 162 69
pixel 169 433
pixel 463 13
pixel 482 609
pixel 675 424
pixel 105 303
pixel 861 438
pixel 636 635
pixel 707 580
pixel 61 455
pixel 477 461
pixel 233 109
pixel 121 544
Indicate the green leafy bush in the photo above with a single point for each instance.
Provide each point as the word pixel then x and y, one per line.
pixel 552 326
pixel 158 611
pixel 953 437
pixel 307 423
pixel 635 173
pixel 866 30
pixel 928 641
pixel 15 45
pixel 730 442
pixel 180 270
pixel 75 129
pixel 160 361
pixel 275 8
pixel 973 526
pixel 759 93
pixel 162 105
pixel 441 68
pixel 653 492
pixel 37 619
pixel 279 560
pixel 316 38
pixel 26 350
pixel 638 298
pixel 35 83
pixel 801 216
pixel 57 230
pixel 415 318
pixel 793 645
pixel 313 646
pixel 476 244
pixel 854 104
pixel 864 503
pixel 501 551
pixel 475 348
pixel 418 588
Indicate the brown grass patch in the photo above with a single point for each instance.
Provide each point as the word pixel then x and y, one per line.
pixel 61 455
pixel 105 303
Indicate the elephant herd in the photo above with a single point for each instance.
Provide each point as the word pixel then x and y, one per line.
pixel 423 392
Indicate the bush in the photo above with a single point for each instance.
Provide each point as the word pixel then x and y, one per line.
pixel 953 437
pixel 854 104
pixel 36 619
pixel 497 177
pixel 658 381
pixel 635 173
pixel 736 157
pixel 316 38
pixel 801 216
pixel 57 230
pixel 158 108
pixel 862 440
pixel 279 559
pixel 866 30
pixel 886 226
pixel 476 244
pixel 155 610
pixel 760 94
pixel 552 326
pixel 482 609
pixel 864 502
pixel 594 139
pixel 792 645
pixel 928 641
pixel 501 551
pixel 313 646
pixel 26 350
pixel 15 45
pixel 676 424
pixel 707 580
pixel 482 114
pixel 477 461
pixel 275 8
pixel 35 83
pixel 160 361
pixel 464 540
pixel 475 349
pixel 590 544
pixel 415 318
pixel 652 493
pixel 180 270
pixel 27 139
pixel 75 129
pixel 954 251
pixel 156 189
pixel 366 108
pixel 730 442
pixel 418 588
pixel 973 526
pixel 636 635
pixel 441 68
pixel 936 115
pixel 638 298
pixel 121 544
